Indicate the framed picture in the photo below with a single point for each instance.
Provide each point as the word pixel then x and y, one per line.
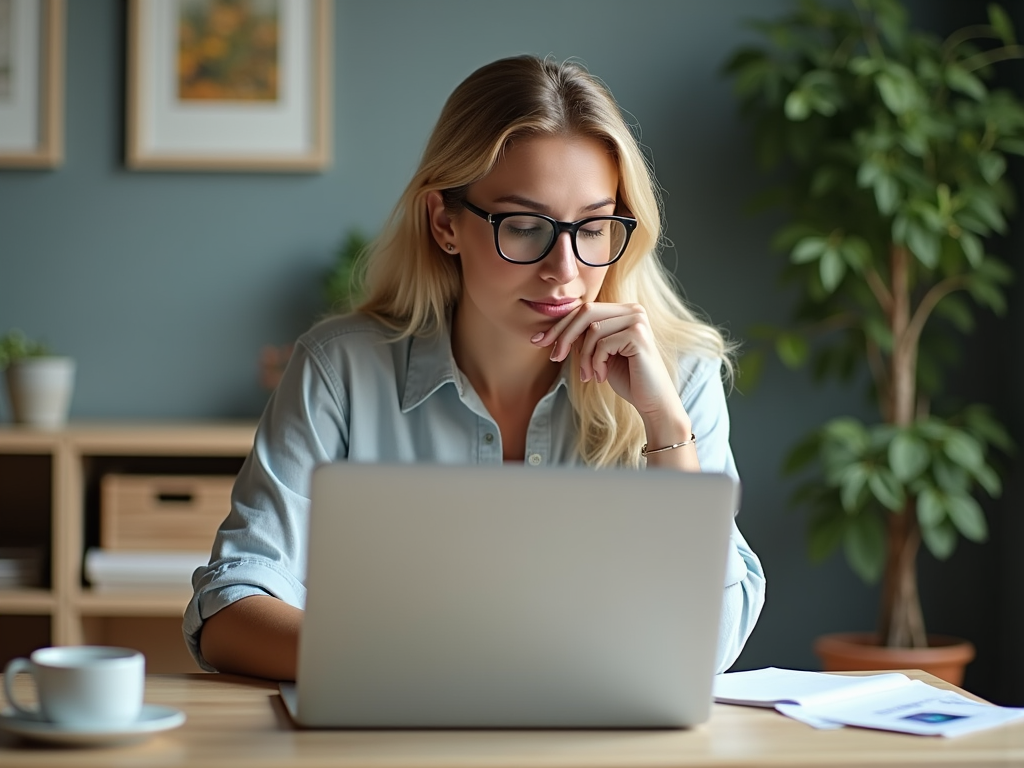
pixel 230 85
pixel 31 83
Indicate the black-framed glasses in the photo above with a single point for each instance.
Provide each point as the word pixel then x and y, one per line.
pixel 526 238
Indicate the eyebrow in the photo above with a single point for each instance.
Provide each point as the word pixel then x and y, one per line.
pixel 536 206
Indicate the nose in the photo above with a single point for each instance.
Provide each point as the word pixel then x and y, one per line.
pixel 560 265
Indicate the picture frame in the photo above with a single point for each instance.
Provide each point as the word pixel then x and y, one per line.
pixel 32 83
pixel 210 90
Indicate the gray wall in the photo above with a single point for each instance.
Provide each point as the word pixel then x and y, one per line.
pixel 165 286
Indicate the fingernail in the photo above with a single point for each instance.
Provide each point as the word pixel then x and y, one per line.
pixel 554 355
pixel 537 338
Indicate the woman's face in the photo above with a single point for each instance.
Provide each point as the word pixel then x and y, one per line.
pixel 565 178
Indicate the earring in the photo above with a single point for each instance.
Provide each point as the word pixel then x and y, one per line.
pixel 450 247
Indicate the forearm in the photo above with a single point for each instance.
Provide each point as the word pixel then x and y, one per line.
pixel 258 636
pixel 663 431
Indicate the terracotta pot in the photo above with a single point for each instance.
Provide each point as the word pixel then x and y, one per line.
pixel 945 657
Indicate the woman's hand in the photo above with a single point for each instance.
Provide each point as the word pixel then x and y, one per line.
pixel 615 343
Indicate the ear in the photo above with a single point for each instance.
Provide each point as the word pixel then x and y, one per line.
pixel 442 227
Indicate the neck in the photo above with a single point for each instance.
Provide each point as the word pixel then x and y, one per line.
pixel 508 373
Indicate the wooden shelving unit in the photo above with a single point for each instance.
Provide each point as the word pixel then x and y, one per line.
pixel 49 499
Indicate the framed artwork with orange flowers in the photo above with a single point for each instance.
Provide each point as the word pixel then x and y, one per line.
pixel 31 83
pixel 229 85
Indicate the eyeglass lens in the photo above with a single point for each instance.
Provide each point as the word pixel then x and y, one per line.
pixel 526 238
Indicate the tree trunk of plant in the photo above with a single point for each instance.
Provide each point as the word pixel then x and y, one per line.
pixel 901 622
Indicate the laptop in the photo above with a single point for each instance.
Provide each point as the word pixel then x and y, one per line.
pixel 443 596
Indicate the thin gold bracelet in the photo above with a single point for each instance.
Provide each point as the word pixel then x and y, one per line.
pixel 644 453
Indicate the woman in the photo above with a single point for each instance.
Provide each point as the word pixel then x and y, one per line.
pixel 516 311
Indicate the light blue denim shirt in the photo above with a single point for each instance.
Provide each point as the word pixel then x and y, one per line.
pixel 351 392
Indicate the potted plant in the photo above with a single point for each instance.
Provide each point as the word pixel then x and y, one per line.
pixel 889 146
pixel 39 384
pixel 342 292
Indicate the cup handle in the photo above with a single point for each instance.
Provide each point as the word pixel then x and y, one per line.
pixel 14 666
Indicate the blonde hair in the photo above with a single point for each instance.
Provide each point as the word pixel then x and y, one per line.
pixel 411 284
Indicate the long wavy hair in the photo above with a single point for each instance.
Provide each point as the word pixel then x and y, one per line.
pixel 411 284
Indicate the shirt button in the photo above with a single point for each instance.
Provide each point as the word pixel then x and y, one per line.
pixel 489 438
pixel 535 459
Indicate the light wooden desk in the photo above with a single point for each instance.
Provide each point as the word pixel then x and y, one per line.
pixel 234 721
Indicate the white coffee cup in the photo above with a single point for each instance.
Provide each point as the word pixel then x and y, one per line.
pixel 82 687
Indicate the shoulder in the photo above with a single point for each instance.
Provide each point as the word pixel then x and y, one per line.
pixel 696 373
pixel 351 336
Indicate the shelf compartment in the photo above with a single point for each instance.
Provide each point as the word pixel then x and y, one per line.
pixel 21 633
pixel 27 601
pixel 130 602
pixel 159 639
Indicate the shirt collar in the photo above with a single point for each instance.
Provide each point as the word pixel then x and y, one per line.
pixel 432 365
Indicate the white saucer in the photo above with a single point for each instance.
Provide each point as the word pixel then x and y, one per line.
pixel 152 719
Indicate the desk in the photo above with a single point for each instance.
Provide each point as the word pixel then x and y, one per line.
pixel 236 721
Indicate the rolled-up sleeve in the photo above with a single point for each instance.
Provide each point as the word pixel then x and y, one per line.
pixel 261 546
pixel 703 396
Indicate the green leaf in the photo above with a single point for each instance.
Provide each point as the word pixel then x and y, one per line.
pixel 798 106
pixel 847 432
pixel 865 65
pixel 930 509
pixel 1001 24
pixel 802 454
pixel 1011 145
pixel 967 516
pixel 887 194
pixel 887 489
pixel 879 332
pixel 992 165
pixel 786 238
pixel 996 270
pixel 985 206
pixel 924 243
pixel 984 292
pixel 989 480
pixel 809 249
pixel 824 534
pixel 963 450
pixel 972 247
pixel 892 20
pixel 894 93
pixel 832 268
pixel 868 172
pixel 980 421
pixel 954 309
pixel 792 349
pixel 959 79
pixel 908 456
pixel 853 481
pixel 856 252
pixel 864 546
pixel 950 477
pixel 940 539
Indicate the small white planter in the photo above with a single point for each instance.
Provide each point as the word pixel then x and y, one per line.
pixel 39 389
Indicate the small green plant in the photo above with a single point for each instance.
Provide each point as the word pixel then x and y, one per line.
pixel 341 286
pixel 15 346
pixel 889 147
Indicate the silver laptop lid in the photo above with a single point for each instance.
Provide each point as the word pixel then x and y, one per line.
pixel 470 597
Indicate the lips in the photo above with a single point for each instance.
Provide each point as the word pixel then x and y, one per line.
pixel 553 307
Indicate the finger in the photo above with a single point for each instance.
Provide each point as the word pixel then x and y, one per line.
pixel 623 344
pixel 551 334
pixel 578 325
pixel 595 333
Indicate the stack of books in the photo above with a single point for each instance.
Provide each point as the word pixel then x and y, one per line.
pixel 21 567
pixel 108 569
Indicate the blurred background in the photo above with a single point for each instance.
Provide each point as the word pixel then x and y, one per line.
pixel 165 286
